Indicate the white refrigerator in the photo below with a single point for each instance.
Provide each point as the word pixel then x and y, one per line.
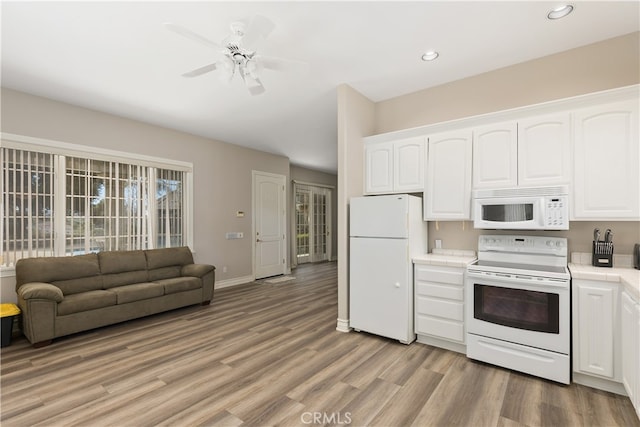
pixel 386 232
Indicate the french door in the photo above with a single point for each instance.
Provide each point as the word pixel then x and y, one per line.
pixel 312 223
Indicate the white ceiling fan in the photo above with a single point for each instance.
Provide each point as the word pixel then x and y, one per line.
pixel 238 53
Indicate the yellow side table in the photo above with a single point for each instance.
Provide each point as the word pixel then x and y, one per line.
pixel 7 313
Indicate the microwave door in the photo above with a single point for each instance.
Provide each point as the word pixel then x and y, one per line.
pixel 508 213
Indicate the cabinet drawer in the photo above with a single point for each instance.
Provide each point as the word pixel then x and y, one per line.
pixel 440 328
pixel 445 309
pixel 440 291
pixel 453 276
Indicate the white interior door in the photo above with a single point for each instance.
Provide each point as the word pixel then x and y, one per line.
pixel 269 224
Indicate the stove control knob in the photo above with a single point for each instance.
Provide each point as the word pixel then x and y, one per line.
pixel 549 242
pixel 559 243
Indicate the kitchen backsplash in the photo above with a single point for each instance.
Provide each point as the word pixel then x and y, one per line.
pixel 461 234
pixel 619 261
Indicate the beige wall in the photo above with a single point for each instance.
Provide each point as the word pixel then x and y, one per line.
pixel 222 172
pixel 605 65
pixel 600 66
pixel 356 119
pixel 609 64
pixel 310 176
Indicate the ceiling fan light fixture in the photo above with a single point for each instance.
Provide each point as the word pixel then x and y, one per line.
pixel 560 11
pixel 430 55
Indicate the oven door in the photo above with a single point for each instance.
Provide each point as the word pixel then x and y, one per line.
pixel 532 312
pixel 513 213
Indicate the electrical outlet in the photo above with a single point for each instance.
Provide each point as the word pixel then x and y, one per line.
pixel 224 269
pixel 438 244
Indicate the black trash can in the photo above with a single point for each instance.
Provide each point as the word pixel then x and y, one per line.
pixel 7 314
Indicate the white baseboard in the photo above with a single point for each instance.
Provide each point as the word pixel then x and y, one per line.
pixel 233 282
pixel 599 383
pixel 343 326
pixel 437 342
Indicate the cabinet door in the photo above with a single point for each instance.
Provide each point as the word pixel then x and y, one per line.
pixel 595 328
pixel 448 186
pixel 378 168
pixel 636 401
pixel 629 346
pixel 408 165
pixel 606 178
pixel 544 150
pixel 495 156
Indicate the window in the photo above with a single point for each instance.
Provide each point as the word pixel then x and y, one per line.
pixel 57 204
pixel 27 205
pixel 170 208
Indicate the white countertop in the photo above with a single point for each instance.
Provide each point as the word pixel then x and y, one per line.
pixel 628 277
pixel 447 257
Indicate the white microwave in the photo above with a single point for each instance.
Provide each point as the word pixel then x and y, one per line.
pixel 526 208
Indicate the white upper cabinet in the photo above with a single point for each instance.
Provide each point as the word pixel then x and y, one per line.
pixel 544 150
pixel 447 194
pixel 395 167
pixel 531 152
pixel 606 179
pixel 495 156
pixel 378 168
pixel 408 165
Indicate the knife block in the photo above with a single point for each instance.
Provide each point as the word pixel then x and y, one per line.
pixel 602 254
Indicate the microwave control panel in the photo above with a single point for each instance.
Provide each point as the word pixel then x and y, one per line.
pixel 556 212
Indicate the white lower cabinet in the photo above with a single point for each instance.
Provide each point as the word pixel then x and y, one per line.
pixel 439 306
pixel 594 331
pixel 630 346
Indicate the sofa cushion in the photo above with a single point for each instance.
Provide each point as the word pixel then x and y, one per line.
pixel 164 273
pixel 53 269
pixel 125 278
pixel 180 284
pixel 86 301
pixel 123 268
pixel 122 261
pixel 137 291
pixel 76 286
pixel 158 258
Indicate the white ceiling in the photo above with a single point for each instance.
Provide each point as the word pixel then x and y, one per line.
pixel 117 57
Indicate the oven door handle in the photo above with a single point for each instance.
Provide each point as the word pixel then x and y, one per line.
pixel 519 279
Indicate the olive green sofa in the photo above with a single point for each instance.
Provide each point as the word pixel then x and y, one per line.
pixel 59 296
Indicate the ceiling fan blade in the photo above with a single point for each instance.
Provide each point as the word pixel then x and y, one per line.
pixel 260 27
pixel 254 85
pixel 191 35
pixel 201 70
pixel 256 89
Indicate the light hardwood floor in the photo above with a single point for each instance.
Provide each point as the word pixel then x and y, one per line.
pixel 264 355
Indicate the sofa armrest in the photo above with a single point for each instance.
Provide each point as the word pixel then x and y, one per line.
pixel 39 290
pixel 197 270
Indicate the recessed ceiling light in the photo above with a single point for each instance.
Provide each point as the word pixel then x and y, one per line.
pixel 560 11
pixel 430 55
